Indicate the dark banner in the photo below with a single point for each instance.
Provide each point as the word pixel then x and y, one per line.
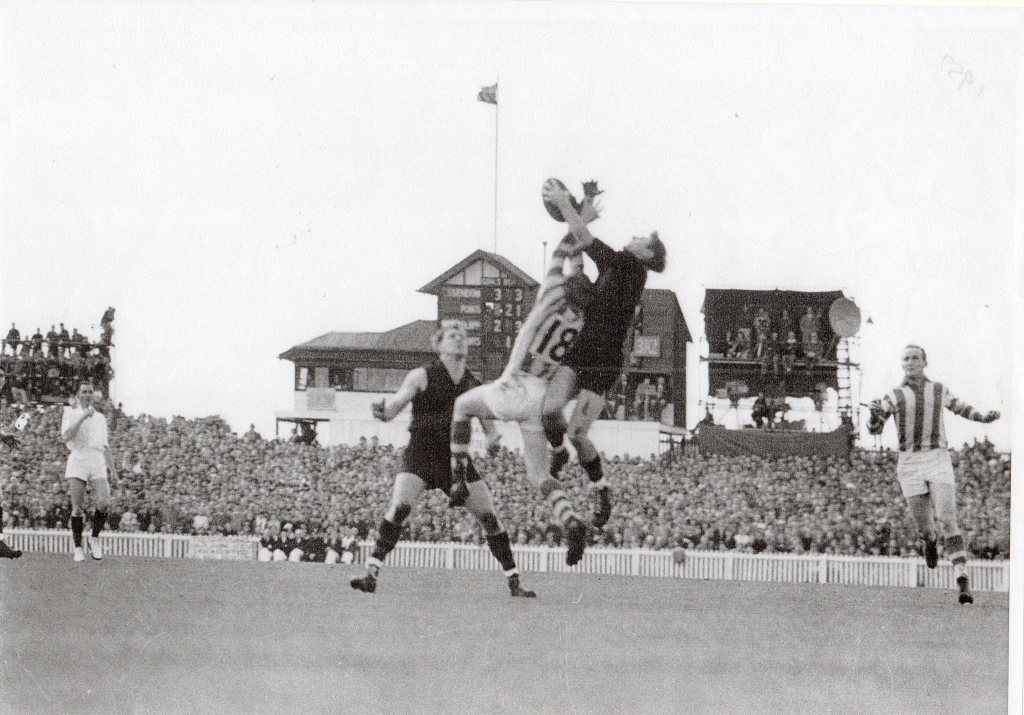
pixel 773 443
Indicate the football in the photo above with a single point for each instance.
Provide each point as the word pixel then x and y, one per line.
pixel 552 209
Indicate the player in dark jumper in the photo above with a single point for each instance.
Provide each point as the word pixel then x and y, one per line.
pixel 426 462
pixel 593 365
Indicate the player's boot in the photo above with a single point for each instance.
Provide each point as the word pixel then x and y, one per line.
pixel 366 584
pixel 576 539
pixel 517 590
pixel 95 548
pixel 559 458
pixel 931 552
pixel 6 552
pixel 965 589
pixel 602 506
pixel 79 554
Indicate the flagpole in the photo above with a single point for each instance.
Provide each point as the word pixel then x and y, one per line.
pixel 497 108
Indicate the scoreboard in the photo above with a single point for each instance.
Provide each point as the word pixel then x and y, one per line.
pixel 492 315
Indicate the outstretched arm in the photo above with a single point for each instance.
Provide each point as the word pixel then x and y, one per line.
pixel 961 408
pixel 413 384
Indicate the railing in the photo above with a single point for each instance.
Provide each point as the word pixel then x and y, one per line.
pixel 710 565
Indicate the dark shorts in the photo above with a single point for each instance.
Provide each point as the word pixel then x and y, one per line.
pixel 433 466
pixel 597 369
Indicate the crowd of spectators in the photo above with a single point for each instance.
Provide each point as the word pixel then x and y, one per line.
pixel 40 368
pixel 196 476
pixel 778 342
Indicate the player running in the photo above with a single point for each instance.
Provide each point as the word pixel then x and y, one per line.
pixel 593 365
pixel 548 333
pixel 83 429
pixel 426 461
pixel 924 469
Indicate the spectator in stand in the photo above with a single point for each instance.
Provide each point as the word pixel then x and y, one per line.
pixel 762 323
pixel 13 340
pixel 789 351
pixel 36 344
pixel 784 324
pixel 6 391
pixel 52 349
pixel 643 399
pixel 812 350
pixel 769 349
pixel 63 341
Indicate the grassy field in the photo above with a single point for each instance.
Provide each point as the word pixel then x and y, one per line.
pixel 144 635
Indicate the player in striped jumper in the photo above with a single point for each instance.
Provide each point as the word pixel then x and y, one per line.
pixel 924 469
pixel 548 333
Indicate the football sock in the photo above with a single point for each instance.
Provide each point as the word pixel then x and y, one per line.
pixel 554 429
pixel 77 527
pixel 388 536
pixel 594 470
pixel 501 547
pixel 561 507
pixel 957 554
pixel 955 548
pixel 99 518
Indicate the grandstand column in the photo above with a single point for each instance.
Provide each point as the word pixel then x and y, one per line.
pixel 634 562
pixel 730 561
pixel 823 569
pixel 449 557
pixel 910 573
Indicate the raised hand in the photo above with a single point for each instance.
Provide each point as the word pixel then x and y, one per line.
pixel 379 411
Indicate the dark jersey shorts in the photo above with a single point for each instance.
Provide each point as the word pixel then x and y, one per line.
pixel 432 465
pixel 597 370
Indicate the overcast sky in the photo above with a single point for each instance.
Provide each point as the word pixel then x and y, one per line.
pixel 236 178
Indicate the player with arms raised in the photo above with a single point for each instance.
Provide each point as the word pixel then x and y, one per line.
pixel 548 333
pixel 426 461
pixel 593 365
pixel 924 469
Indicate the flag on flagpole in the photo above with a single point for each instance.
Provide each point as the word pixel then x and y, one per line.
pixel 488 94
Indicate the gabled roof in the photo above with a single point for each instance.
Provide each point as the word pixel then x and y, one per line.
pixel 433 287
pixel 411 337
pixel 665 300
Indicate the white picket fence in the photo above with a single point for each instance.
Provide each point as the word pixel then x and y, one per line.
pixel 710 565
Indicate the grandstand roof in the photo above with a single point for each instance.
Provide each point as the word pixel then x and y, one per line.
pixel 661 299
pixel 479 255
pixel 411 337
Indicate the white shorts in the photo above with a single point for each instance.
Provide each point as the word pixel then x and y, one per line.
pixel 87 465
pixel 916 470
pixel 517 398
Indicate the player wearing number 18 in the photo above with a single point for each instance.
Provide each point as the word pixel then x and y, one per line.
pixel 547 335
pixel 593 365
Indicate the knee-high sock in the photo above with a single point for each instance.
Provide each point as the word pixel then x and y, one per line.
pixel 957 553
pixel 389 533
pixel 561 507
pixel 501 547
pixel 594 470
pixel 99 519
pixel 77 527
pixel 554 429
